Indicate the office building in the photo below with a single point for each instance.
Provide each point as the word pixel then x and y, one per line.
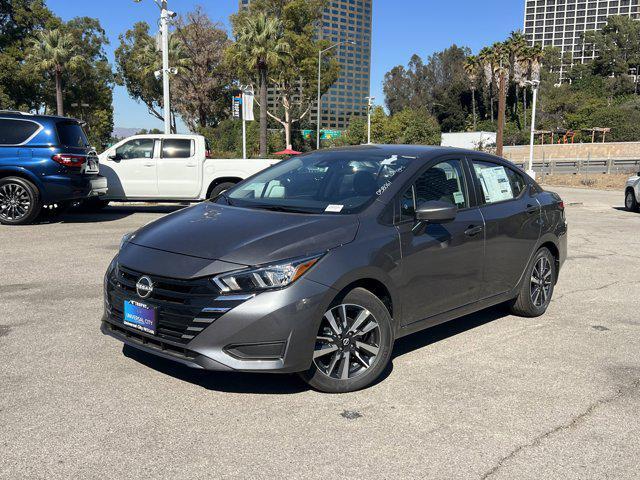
pixel 562 23
pixel 345 20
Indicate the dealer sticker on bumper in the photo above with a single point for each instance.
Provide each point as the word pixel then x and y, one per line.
pixel 140 316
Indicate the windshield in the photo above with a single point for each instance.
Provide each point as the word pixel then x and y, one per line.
pixel 332 182
pixel 70 134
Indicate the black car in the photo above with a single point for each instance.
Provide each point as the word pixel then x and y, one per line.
pixel 317 264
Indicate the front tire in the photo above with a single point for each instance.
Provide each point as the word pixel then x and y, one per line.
pixel 20 201
pixel 353 344
pixel 537 287
pixel 218 189
pixel 630 202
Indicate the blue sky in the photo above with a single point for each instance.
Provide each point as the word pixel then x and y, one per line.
pixel 400 29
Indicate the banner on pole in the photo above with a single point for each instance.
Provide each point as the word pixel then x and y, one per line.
pixel 236 106
pixel 247 106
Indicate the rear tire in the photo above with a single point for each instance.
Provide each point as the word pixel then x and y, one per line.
pixel 354 344
pixel 630 202
pixel 537 287
pixel 20 201
pixel 218 189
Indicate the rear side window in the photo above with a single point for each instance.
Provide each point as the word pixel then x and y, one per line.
pixel 176 148
pixel 70 134
pixel 496 182
pixel 16 132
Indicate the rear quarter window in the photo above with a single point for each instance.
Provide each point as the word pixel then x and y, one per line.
pixel 70 134
pixel 16 132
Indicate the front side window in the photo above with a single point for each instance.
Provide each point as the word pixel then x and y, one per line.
pixel 496 182
pixel 16 132
pixel 176 148
pixel 138 148
pixel 331 182
pixel 443 182
pixel 70 134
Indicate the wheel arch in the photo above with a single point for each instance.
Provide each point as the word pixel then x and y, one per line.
pixel 25 175
pixel 217 181
pixel 555 251
pixel 376 287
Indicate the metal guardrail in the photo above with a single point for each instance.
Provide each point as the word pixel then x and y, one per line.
pixel 578 166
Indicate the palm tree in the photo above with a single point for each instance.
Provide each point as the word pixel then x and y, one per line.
pixel 258 48
pixel 54 51
pixel 517 48
pixel 472 69
pixel 487 61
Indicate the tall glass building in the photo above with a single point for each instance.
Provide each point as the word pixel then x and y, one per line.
pixel 561 23
pixel 346 20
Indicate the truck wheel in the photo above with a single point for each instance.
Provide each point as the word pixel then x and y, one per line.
pixel 218 189
pixel 20 201
pixel 630 202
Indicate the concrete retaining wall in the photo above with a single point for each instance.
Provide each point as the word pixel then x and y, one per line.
pixel 613 150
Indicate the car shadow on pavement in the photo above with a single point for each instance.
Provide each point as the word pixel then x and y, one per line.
pixel 108 214
pixel 279 384
pixel 230 382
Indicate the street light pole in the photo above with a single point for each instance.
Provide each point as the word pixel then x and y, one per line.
pixel 535 84
pixel 165 15
pixel 164 24
pixel 369 105
pixel 319 104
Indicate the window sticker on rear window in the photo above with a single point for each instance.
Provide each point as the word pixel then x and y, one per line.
pixel 495 183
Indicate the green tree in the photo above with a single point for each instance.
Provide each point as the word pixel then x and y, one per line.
pixel 202 87
pixel 617 45
pixel 413 127
pixel 472 69
pixel 356 134
pixel 259 47
pixel 53 52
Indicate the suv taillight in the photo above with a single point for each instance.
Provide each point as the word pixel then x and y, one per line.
pixel 73 161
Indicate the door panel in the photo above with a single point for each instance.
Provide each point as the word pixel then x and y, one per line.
pixel 442 263
pixel 179 171
pixel 132 174
pixel 512 224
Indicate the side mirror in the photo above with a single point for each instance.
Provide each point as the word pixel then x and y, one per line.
pixel 115 157
pixel 436 212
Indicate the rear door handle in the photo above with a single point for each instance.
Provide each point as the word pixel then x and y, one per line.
pixel 473 231
pixel 532 209
pixel 149 164
pixel 191 165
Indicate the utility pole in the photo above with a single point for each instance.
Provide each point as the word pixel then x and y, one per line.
pixel 502 107
pixel 165 15
pixel 369 108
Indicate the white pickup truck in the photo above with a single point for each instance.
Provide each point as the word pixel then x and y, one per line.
pixel 632 194
pixel 170 168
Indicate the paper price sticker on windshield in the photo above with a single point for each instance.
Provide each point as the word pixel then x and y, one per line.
pixel 334 208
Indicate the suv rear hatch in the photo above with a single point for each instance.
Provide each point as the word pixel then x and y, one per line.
pixel 75 149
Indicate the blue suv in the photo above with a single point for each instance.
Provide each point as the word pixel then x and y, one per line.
pixel 44 160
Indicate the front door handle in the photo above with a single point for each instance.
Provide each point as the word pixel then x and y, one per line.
pixel 149 165
pixel 472 231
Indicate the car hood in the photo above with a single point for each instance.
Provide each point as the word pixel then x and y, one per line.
pixel 246 236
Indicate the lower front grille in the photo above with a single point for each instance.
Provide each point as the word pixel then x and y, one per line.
pixel 152 342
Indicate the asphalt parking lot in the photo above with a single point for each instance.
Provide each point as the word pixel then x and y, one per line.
pixel 487 396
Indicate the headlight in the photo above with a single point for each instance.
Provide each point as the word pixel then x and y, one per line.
pixel 265 278
pixel 125 239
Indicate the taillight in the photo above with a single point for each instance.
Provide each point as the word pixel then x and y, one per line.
pixel 73 161
pixel 561 205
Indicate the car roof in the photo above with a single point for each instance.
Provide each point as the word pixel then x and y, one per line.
pixel 34 116
pixel 424 152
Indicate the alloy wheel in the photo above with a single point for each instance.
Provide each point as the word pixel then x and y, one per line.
pixel 15 202
pixel 541 282
pixel 348 342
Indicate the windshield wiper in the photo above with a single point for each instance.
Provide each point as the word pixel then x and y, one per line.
pixel 280 208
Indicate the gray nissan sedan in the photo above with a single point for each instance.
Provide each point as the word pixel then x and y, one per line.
pixel 317 264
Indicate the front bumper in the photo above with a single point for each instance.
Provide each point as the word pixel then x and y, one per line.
pixel 270 332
